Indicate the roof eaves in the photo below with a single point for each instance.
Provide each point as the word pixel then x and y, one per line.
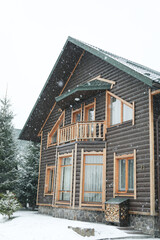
pixel 99 53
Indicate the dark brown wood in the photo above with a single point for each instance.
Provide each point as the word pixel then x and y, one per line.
pixel 121 139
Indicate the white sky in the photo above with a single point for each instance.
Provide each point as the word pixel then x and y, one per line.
pixel 33 32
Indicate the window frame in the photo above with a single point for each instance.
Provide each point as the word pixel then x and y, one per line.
pixel 126 192
pixel 58 180
pixel 74 112
pixel 82 203
pixel 86 109
pixel 123 102
pixel 54 129
pixel 47 179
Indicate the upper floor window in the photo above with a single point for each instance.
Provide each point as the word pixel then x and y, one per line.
pixel 77 115
pixel 118 110
pixel 53 135
pixel 89 111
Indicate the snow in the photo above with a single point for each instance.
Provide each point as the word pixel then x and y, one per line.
pixel 34 226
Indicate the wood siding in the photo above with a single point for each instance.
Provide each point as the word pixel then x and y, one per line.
pixel 121 139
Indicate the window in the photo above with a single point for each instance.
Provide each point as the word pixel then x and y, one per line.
pixel 92 179
pixel 64 178
pixel 77 115
pixel 118 110
pixel 89 111
pixel 49 179
pixel 125 175
pixel 53 135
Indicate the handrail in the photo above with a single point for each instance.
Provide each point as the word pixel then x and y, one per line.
pixel 81 131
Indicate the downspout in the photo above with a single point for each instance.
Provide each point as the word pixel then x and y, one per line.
pixel 158 164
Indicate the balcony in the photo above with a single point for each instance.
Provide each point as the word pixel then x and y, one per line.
pixel 80 131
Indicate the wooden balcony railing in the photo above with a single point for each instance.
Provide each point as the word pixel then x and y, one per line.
pixel 82 131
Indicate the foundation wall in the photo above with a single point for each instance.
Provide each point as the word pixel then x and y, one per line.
pixel 146 224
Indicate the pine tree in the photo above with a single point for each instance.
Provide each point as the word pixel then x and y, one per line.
pixel 28 176
pixel 8 204
pixel 8 165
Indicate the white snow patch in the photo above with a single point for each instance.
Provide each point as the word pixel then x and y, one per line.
pixel 34 226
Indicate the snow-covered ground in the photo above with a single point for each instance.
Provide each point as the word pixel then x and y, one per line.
pixel 28 225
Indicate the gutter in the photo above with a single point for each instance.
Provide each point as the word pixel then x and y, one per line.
pixel 158 164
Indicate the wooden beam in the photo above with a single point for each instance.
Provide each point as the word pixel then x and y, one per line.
pixel 74 183
pixel 152 162
pixel 135 186
pixel 39 168
pixel 61 92
pixel 81 178
pixel 155 92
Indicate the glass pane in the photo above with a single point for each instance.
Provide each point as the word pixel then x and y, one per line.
pixel 91 114
pixel 78 117
pixel 127 113
pixel 54 138
pixel 122 176
pixel 94 159
pixel 93 178
pixel 65 196
pixel 130 175
pixel 115 111
pixel 66 161
pixel 92 197
pixel 50 181
pixel 65 179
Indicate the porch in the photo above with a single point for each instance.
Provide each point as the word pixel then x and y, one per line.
pixel 81 131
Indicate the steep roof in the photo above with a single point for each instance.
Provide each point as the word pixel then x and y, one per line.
pixel 61 71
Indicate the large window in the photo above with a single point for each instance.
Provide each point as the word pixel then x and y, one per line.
pixel 118 110
pixel 49 179
pixel 64 179
pixel 125 175
pixel 53 135
pixel 92 179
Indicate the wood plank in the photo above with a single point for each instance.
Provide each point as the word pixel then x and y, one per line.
pixel 61 92
pixel 81 178
pixel 155 92
pixel 74 181
pixel 152 161
pixel 40 158
pixel 135 175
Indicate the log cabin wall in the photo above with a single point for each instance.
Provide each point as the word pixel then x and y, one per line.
pixel 121 139
pixel 156 111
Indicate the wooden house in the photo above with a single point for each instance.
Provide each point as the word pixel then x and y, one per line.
pixel 98 121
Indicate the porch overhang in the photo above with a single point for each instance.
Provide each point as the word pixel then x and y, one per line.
pixel 81 92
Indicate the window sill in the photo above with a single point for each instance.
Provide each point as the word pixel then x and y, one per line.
pixel 91 204
pixel 52 144
pixel 62 203
pixel 124 194
pixel 50 194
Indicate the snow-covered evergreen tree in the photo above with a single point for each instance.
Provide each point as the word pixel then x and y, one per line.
pixel 9 204
pixel 28 176
pixel 8 164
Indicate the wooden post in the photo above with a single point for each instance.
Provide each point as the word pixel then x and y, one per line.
pixel 135 190
pixel 81 178
pixel 39 167
pixel 74 183
pixel 152 163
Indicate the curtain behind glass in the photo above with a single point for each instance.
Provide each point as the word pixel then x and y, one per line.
pixel 65 182
pixel 127 113
pixel 122 175
pixel 93 179
pixel 115 111
pixel 130 175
